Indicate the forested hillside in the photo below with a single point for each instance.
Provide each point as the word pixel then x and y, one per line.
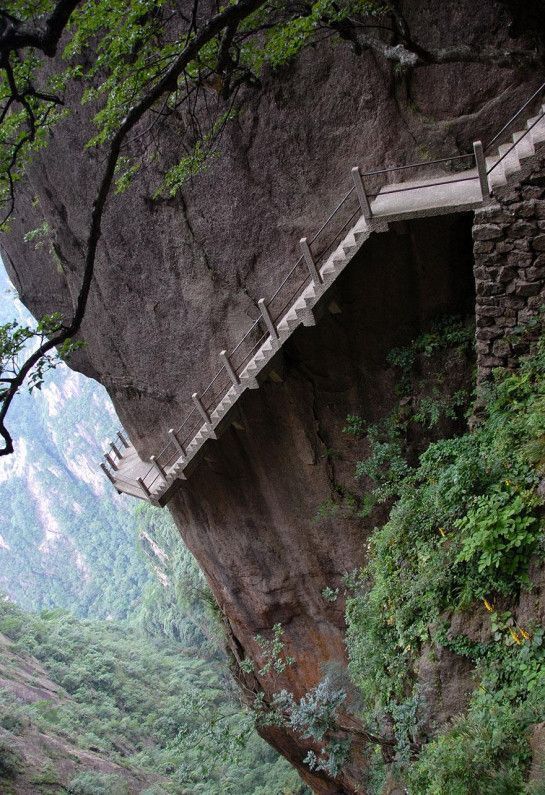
pixel 98 708
pixel 66 538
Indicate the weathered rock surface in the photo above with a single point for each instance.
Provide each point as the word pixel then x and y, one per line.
pixel 176 281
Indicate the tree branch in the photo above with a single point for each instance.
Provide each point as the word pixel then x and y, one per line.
pixel 233 14
pixel 16 35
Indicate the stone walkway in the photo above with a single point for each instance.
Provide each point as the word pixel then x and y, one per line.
pixel 439 194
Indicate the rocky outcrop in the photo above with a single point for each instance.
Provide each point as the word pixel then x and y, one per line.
pixel 176 281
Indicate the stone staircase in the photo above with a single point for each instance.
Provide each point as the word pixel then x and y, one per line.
pixel 443 193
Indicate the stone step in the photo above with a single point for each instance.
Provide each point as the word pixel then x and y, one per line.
pixel 537 130
pixel 288 323
pixel 496 177
pixel 269 346
pixel 251 369
pixel 510 161
pixel 525 145
pixel 501 165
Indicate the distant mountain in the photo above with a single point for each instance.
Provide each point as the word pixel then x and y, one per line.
pixel 66 538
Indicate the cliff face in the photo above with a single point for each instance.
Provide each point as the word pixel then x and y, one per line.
pixel 176 281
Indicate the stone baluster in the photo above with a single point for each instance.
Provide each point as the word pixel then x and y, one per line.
pixel 235 380
pixel 315 274
pixel 107 472
pixel 480 162
pixel 362 195
pixel 176 442
pixel 266 315
pixel 111 461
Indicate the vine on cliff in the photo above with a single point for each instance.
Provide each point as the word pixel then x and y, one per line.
pixel 465 525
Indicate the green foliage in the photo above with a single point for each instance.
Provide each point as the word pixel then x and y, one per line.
pixel 11 762
pixel 485 753
pixel 330 594
pixel 38 235
pixel 388 464
pixel 197 161
pixel 17 341
pixel 464 526
pixel 177 603
pixel 446 333
pixel 273 652
pixel 430 410
pixel 98 784
pixel 499 533
pixel 144 704
pixel 284 40
pixel 314 717
pixel 355 425
pixel 331 758
pixel 133 44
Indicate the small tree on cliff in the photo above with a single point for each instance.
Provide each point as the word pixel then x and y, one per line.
pixel 143 61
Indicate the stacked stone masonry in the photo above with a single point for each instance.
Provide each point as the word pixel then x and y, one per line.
pixel 509 249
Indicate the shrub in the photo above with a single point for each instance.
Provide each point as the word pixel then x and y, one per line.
pixel 465 522
pixel 98 784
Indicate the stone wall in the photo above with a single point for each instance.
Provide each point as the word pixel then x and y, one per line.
pixel 509 249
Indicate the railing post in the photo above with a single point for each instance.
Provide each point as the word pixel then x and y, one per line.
pixel 362 195
pixel 158 466
pixel 122 439
pixel 111 461
pixel 266 315
pixel 200 408
pixel 229 368
pixel 144 488
pixel 315 274
pixel 177 443
pixel 480 162
pixel 115 449
pixel 107 472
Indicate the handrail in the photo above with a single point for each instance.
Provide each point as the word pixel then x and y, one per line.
pixel 157 467
pixel 252 327
pixel 512 119
pixel 515 143
pixel 271 299
pixel 417 165
pixel 332 215
pixel 423 187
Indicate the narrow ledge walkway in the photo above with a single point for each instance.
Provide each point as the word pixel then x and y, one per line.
pixel 156 480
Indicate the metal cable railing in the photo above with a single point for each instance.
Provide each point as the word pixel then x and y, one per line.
pixel 290 289
pixel 422 187
pixel 513 118
pixel 333 242
pixel 332 215
pixel 516 143
pixel 390 169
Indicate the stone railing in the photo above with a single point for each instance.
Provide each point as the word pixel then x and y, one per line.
pixel 369 194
